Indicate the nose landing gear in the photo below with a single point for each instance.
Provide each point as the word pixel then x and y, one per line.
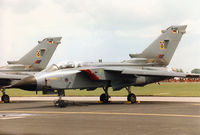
pixel 60 103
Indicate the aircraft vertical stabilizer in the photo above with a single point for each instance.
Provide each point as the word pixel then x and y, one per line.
pixel 39 56
pixel 163 48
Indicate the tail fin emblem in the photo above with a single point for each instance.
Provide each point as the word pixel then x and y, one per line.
pixel 175 30
pixel 38 61
pixel 160 56
pixel 38 54
pixel 162 45
pixel 51 42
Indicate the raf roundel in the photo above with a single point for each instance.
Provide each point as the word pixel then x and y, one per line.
pixel 66 80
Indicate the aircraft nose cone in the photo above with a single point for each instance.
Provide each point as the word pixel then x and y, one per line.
pixel 28 83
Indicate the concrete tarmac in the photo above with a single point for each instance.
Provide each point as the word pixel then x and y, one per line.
pixel 89 117
pixel 95 99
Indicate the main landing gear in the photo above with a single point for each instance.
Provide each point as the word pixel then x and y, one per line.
pixel 60 103
pixel 105 97
pixel 5 98
pixel 131 97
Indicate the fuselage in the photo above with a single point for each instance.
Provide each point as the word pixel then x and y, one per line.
pixel 72 76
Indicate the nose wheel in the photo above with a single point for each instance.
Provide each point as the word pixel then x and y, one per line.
pixel 60 103
pixel 131 97
pixel 5 98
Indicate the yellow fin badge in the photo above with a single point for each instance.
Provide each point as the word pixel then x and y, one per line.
pixel 38 54
pixel 162 45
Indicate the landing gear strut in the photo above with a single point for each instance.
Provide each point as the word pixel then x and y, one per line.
pixel 5 98
pixel 60 103
pixel 131 97
pixel 105 97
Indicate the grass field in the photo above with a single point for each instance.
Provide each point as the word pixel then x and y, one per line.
pixel 165 89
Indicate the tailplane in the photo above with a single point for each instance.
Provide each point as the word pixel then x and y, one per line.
pixel 162 49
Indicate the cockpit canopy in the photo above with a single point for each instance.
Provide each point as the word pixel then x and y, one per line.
pixel 63 65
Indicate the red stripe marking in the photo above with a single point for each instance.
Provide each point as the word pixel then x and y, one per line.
pixel 90 74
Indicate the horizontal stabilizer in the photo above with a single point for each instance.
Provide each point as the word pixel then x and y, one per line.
pixel 136 55
pixel 12 62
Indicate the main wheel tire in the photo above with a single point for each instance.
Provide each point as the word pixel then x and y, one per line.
pixel 5 98
pixel 104 98
pixel 132 98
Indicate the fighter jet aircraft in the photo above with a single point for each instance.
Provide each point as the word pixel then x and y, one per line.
pixel 34 61
pixel 140 70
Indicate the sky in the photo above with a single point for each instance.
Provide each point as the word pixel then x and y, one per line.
pixel 98 29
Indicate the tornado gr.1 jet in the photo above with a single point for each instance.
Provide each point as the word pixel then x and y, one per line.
pixel 34 61
pixel 140 70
